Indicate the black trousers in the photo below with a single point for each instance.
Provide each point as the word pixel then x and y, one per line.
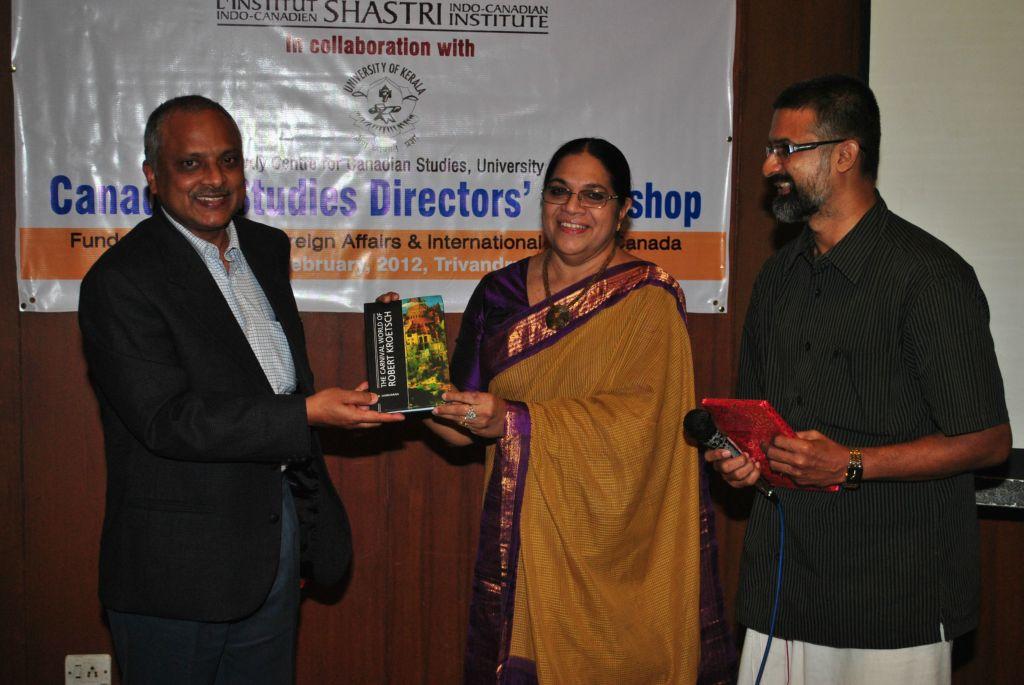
pixel 256 650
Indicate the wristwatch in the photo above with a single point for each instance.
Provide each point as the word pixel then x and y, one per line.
pixel 854 471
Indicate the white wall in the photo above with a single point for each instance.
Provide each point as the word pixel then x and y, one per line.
pixel 949 77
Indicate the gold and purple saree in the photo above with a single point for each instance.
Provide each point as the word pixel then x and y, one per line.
pixel 597 554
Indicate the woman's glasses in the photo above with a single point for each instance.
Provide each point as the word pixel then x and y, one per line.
pixel 590 198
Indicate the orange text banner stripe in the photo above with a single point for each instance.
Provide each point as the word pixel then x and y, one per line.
pixel 389 254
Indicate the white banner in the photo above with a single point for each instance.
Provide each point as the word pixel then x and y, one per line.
pixel 402 145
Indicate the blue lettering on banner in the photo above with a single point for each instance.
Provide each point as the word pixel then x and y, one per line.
pixel 653 204
pixel 59 206
pixel 391 198
pixel 101 199
pixel 305 198
pixel 387 197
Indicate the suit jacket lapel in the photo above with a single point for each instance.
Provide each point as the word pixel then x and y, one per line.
pixel 185 270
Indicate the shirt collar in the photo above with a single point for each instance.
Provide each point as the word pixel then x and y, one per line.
pixel 206 249
pixel 851 254
pixel 804 247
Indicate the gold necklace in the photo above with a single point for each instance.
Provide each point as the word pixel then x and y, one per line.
pixel 559 315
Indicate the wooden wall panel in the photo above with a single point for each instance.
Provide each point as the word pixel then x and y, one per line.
pixel 12 557
pixel 991 653
pixel 64 486
pixel 414 505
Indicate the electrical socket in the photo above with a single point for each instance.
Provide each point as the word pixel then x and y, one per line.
pixel 87 669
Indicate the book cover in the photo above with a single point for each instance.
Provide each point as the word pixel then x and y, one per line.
pixel 406 353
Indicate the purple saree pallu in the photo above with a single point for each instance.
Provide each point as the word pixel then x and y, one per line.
pixel 494 579
pixel 499 329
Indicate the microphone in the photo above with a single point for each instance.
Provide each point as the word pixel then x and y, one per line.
pixel 700 426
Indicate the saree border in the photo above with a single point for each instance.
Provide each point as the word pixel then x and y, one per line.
pixel 492 607
pixel 530 334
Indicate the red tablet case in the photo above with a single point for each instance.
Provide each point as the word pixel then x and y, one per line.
pixel 749 424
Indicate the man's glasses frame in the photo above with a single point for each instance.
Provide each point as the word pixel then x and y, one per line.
pixel 590 198
pixel 784 150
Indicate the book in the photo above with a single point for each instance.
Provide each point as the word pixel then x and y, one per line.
pixel 406 353
pixel 750 424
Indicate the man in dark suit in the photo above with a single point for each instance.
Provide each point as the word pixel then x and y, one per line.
pixel 218 497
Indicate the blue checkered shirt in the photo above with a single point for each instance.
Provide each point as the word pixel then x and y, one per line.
pixel 250 306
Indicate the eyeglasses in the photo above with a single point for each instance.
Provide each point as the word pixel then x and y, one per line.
pixel 590 198
pixel 784 150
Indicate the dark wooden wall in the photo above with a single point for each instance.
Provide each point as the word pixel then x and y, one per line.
pixel 12 521
pixel 413 504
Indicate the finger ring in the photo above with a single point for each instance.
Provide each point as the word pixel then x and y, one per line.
pixel 470 415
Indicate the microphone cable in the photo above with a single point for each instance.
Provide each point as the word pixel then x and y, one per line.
pixel 778 591
pixel 700 425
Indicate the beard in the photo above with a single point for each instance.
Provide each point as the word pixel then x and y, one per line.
pixel 801 203
pixel 795 206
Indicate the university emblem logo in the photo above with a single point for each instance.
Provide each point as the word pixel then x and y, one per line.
pixel 384 100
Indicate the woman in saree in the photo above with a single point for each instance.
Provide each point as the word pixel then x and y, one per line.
pixel 596 560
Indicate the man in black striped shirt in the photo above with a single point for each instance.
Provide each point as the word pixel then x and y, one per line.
pixel 871 338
